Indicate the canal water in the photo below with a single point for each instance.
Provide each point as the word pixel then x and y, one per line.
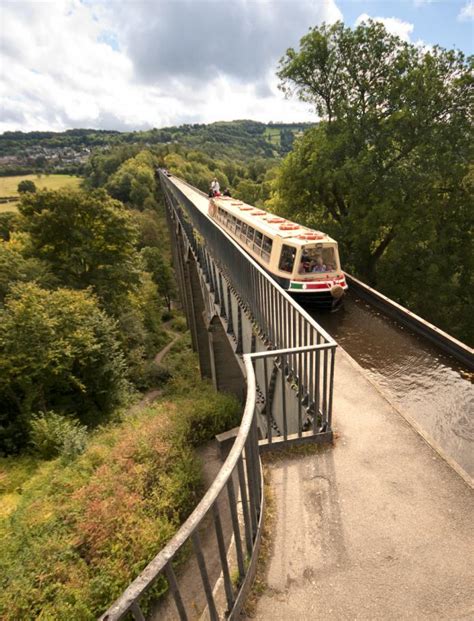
pixel 431 387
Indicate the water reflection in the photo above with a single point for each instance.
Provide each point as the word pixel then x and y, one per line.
pixel 425 383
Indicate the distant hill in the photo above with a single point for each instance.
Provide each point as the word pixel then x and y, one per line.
pixel 67 151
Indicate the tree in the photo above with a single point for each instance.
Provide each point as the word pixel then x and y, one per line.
pixel 9 222
pixel 151 230
pixel 134 182
pixel 161 273
pixel 58 351
pixel 248 191
pixel 140 330
pixel 88 240
pixel 383 172
pixel 15 268
pixel 101 165
pixel 26 185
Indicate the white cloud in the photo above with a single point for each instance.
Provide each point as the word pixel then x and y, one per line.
pixel 467 12
pixel 392 24
pixel 68 63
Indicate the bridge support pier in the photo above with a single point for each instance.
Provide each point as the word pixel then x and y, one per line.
pixel 227 374
pixel 198 318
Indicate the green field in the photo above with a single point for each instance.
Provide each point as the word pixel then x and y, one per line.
pixel 272 135
pixel 9 185
pixel 8 206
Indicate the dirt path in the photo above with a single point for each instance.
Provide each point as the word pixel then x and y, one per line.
pixel 162 353
pixel 153 394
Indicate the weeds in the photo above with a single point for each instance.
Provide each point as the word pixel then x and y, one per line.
pixel 266 544
pixel 79 532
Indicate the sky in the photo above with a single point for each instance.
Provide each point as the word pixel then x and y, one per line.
pixel 132 65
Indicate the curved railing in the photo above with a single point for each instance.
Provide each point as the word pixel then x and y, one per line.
pixel 240 479
pixel 229 515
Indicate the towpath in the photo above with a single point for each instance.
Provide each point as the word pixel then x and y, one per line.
pixel 378 527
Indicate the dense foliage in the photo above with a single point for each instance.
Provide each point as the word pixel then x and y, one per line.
pixel 58 351
pixel 80 305
pixel 83 529
pixel 87 239
pixel 26 186
pixel 68 151
pixel 250 181
pixel 387 170
pixel 84 279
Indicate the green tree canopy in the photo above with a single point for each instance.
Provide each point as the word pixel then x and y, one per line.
pixel 15 268
pixel 26 185
pixel 161 273
pixel 102 165
pixel 134 182
pixel 384 171
pixel 9 222
pixel 58 351
pixel 86 238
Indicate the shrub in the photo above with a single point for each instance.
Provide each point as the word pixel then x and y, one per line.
pixel 9 222
pixel 167 315
pixel 179 324
pixel 157 374
pixel 58 351
pixel 26 185
pixel 205 414
pixel 52 435
pixel 83 530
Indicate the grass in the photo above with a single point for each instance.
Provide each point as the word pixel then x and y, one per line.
pixel 8 206
pixel 9 185
pixel 73 535
pixel 272 135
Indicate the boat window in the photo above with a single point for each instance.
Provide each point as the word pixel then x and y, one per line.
pixel 238 226
pixel 287 258
pixel 250 233
pixel 257 242
pixel 266 248
pixel 318 259
pixel 244 230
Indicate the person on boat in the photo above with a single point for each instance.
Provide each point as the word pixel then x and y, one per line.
pixel 215 187
pixel 305 263
pixel 318 265
pixel 227 192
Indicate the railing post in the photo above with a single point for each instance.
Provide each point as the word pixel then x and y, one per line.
pixel 292 335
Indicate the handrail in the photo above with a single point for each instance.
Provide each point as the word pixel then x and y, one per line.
pixel 136 589
pixel 297 343
pixel 129 600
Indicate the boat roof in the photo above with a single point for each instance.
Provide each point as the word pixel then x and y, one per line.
pixel 272 224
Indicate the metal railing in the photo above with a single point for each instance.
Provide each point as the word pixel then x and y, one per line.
pixel 241 479
pixel 230 513
pixel 280 321
pixel 236 494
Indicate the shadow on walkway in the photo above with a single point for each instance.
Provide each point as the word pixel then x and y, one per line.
pixel 376 527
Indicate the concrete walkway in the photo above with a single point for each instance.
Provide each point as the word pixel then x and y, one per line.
pixel 377 527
